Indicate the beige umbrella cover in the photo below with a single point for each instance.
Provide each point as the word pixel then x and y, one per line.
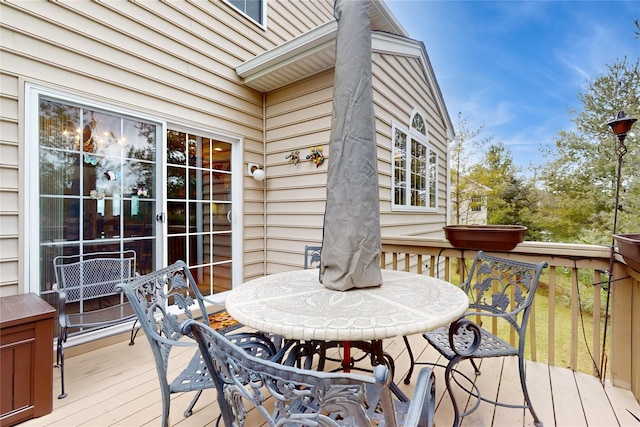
pixel 351 244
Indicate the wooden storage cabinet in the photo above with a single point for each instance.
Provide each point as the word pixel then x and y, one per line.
pixel 26 358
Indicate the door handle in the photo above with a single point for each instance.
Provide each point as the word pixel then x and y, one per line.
pixel 229 217
pixel 161 217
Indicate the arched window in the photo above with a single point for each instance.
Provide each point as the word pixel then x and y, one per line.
pixel 415 166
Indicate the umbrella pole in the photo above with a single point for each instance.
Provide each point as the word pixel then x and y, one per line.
pixel 346 361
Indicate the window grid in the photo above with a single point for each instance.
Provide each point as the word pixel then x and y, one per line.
pixel 415 179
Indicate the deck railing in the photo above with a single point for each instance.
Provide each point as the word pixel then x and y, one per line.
pixel 567 327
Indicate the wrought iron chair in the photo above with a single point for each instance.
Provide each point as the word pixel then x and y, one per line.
pixel 312 256
pixel 87 296
pixel 497 288
pixel 161 300
pixel 302 396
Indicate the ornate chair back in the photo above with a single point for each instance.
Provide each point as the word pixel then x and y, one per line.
pixel 287 395
pixel 161 300
pixel 498 288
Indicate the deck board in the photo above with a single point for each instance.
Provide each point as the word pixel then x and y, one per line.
pixel 117 386
pixel 592 392
pixel 539 386
pixel 567 406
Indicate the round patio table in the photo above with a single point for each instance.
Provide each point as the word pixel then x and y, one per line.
pixel 297 306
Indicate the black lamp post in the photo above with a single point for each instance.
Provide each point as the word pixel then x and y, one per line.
pixel 620 127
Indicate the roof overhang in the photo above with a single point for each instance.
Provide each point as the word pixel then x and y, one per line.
pixel 315 51
pixel 308 54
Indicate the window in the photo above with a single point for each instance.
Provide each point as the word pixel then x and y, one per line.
pixel 476 203
pixel 95 186
pixel 199 202
pixel 252 8
pixel 414 167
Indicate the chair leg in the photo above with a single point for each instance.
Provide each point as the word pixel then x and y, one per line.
pixel 60 360
pixel 322 356
pixel 475 366
pixel 448 372
pixel 166 402
pixel 407 379
pixel 189 410
pixel 134 332
pixel 525 391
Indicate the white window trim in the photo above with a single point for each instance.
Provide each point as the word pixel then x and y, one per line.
pixel 424 139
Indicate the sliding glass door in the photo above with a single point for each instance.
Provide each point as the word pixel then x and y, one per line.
pixel 104 180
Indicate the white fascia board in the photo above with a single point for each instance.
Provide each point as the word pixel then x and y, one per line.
pixel 384 10
pixel 304 45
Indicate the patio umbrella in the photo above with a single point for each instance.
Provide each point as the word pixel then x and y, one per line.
pixel 351 244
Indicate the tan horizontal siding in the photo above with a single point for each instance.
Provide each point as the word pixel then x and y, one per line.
pixel 8 276
pixel 288 19
pixel 298 118
pixel 9 185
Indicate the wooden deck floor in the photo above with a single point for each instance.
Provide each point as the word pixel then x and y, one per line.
pixel 117 386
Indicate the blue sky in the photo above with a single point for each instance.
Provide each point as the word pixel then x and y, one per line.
pixel 517 67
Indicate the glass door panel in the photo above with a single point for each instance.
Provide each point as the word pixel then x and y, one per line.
pixel 199 208
pixel 97 186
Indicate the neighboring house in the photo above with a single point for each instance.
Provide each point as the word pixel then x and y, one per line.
pixel 468 201
pixel 131 125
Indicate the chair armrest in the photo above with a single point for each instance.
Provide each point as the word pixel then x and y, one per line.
pixel 469 337
pixel 423 404
pixel 62 302
pixel 215 301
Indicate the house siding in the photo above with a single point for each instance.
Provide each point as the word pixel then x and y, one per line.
pixel 172 60
pixel 9 184
pixel 298 117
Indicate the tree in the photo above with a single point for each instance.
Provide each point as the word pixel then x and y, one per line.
pixel 511 200
pixel 464 189
pixel 580 173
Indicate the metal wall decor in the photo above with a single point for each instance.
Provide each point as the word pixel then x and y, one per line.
pixel 294 157
pixel 316 155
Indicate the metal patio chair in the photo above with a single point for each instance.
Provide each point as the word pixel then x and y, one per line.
pixel 161 300
pixel 291 396
pixel 87 296
pixel 497 288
